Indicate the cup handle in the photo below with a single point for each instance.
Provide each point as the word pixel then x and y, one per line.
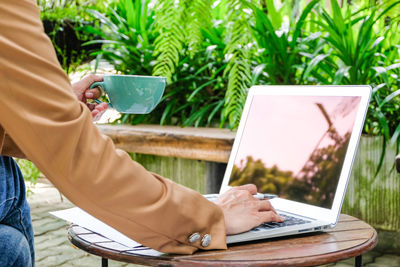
pixel 98 84
pixel 101 86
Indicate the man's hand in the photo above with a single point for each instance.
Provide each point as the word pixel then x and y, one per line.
pixel 243 212
pixel 83 93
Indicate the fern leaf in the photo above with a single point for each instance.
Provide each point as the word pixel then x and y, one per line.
pixel 168 44
pixel 197 16
pixel 238 70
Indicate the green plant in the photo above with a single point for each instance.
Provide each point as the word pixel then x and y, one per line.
pixel 62 21
pixel 178 24
pixel 126 32
pixel 29 171
pixel 238 54
pixel 359 56
pixel 196 17
pixel 126 35
pixel 195 96
pixel 280 54
pixel 212 51
pixel 130 38
pixel 283 43
pixel 170 39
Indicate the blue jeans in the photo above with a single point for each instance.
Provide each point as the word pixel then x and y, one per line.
pixel 16 231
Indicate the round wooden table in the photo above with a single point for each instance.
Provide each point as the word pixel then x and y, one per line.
pixel 350 238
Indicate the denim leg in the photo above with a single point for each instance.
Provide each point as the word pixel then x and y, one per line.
pixel 14 248
pixel 14 211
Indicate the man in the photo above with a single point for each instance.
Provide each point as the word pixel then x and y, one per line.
pixel 41 118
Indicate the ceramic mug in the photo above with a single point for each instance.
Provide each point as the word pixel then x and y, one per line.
pixel 132 94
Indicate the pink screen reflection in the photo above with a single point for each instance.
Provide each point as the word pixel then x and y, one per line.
pixel 294 146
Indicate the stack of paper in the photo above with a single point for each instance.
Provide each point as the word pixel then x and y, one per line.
pixel 85 220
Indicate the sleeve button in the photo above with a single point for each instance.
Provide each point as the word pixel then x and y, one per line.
pixel 206 240
pixel 194 237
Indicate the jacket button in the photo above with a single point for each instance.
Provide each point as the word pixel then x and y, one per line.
pixel 194 237
pixel 206 240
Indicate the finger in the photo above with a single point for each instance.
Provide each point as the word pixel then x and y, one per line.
pixel 242 195
pixel 91 78
pixel 269 216
pixel 248 187
pixel 93 93
pixel 265 205
pixel 102 106
pixel 99 110
pixel 97 114
pixel 91 106
pixel 88 80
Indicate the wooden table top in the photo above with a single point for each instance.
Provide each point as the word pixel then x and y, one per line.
pixel 351 237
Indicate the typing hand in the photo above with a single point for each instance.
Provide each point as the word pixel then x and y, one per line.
pixel 242 211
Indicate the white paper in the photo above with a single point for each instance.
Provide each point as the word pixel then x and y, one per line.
pixel 85 220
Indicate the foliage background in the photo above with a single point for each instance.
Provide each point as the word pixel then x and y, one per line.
pixel 212 51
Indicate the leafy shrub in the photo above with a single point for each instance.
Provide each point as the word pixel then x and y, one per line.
pixel 62 21
pixel 29 172
pixel 359 55
pixel 212 51
pixel 134 44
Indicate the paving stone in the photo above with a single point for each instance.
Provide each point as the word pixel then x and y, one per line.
pixel 61 259
pixel 370 256
pixel 112 263
pixel 42 209
pixel 344 264
pixel 327 265
pixel 41 238
pixel 389 241
pixel 54 242
pixel 50 226
pixel 388 260
pixel 46 252
pixel 374 264
pixel 85 260
pixel 43 221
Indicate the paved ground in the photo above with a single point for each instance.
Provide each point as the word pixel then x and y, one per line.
pixel 54 249
pixel 51 243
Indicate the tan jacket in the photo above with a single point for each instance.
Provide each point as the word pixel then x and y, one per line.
pixel 39 111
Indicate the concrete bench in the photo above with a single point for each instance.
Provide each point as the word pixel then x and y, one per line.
pixel 211 145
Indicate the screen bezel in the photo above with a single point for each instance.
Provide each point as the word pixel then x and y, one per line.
pixel 311 211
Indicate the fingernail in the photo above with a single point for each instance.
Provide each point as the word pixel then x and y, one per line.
pixel 282 218
pixel 95 118
pixel 89 94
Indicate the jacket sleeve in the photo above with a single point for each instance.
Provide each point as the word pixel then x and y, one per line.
pixel 9 148
pixel 55 131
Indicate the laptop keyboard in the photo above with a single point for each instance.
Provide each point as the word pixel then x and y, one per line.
pixel 289 221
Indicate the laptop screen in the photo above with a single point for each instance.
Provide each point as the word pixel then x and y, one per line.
pixel 294 146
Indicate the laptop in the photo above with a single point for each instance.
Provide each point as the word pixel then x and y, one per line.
pixel 298 143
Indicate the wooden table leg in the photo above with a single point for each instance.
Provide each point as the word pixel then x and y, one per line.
pixel 104 262
pixel 358 261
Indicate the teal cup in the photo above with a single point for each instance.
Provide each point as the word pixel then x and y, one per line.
pixel 132 94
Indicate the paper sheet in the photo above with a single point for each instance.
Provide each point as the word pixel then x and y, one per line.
pixel 85 220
